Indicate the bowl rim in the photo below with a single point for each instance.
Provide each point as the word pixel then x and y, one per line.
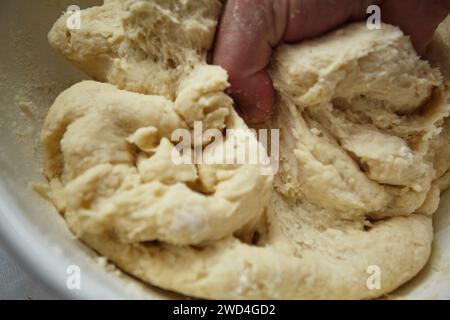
pixel 28 253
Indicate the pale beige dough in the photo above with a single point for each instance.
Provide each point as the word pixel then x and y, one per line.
pixel 114 185
pixel 364 155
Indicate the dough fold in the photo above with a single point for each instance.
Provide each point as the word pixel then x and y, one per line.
pixel 110 160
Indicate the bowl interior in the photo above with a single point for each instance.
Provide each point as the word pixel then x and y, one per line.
pixel 31 76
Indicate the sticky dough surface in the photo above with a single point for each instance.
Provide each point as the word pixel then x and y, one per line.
pixel 364 156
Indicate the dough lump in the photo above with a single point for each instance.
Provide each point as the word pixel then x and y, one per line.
pixel 364 156
pixel 110 150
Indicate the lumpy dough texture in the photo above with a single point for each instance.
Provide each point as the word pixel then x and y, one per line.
pixel 364 156
pixel 143 46
pixel 110 151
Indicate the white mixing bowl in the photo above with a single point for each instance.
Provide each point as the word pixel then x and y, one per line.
pixel 31 76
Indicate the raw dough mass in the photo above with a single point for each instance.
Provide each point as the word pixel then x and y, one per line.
pixel 364 156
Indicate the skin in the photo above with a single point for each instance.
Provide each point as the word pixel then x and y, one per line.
pixel 250 30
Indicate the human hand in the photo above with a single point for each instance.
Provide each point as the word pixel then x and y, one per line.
pixel 250 29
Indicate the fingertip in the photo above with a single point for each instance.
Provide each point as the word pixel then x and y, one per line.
pixel 416 18
pixel 254 97
pixel 247 32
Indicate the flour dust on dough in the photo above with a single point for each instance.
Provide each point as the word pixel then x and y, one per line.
pixel 364 156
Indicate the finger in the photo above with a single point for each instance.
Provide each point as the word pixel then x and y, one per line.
pixel 247 32
pixel 311 18
pixel 256 97
pixel 417 18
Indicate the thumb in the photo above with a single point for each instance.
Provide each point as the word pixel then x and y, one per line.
pixel 247 32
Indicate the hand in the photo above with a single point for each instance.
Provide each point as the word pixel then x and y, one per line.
pixel 250 29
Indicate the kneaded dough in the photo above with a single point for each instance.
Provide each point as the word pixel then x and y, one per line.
pixel 364 155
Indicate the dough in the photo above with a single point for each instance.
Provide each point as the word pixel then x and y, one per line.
pixel 364 155
pixel 111 152
pixel 126 42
